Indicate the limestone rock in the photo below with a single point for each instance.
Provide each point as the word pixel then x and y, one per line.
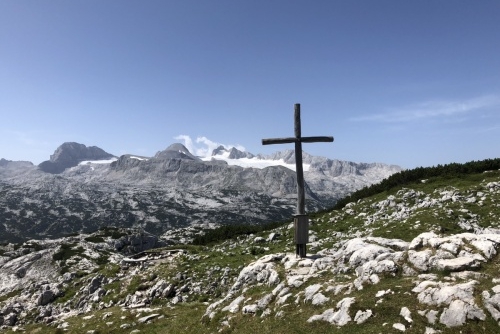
pixel 458 312
pixel 319 299
pixel 438 293
pixel 340 317
pixel 492 304
pixel 10 319
pixel 406 314
pixel 399 327
pixel 362 316
pixel 458 264
pixel 250 309
pixel 235 305
pixel 147 318
pixel 264 301
pixel 310 291
pixel 420 259
pixel 46 297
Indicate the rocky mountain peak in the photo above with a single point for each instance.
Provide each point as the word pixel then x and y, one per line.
pixel 69 154
pixel 175 151
pixel 219 150
pixel 288 156
pixel 234 153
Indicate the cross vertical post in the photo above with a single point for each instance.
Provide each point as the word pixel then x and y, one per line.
pixel 299 168
pixel 301 220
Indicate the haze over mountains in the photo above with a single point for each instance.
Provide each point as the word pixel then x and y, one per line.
pixel 81 189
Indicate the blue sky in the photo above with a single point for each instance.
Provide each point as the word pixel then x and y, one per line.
pixel 412 83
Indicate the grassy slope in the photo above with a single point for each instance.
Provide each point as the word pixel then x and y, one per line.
pixel 186 317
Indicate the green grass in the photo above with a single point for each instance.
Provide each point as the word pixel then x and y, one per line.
pixel 72 289
pixel 215 256
pixel 66 251
pixel 110 270
pixel 429 219
pixel 10 295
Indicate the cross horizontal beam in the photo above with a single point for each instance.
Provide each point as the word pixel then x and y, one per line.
pixel 322 139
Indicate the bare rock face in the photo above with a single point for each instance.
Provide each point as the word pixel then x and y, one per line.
pixel 46 297
pixel 19 271
pixel 10 319
pixel 70 154
pixel 237 154
pixel 233 153
pixel 137 242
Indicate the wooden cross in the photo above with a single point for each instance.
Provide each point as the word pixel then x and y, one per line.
pixel 301 221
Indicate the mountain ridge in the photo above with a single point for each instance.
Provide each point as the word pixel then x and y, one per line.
pixel 170 190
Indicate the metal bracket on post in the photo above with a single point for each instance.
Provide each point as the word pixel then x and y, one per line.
pixel 301 224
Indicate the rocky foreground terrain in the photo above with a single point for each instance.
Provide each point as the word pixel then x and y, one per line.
pixel 419 259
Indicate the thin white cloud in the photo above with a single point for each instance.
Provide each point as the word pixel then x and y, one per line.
pixel 433 109
pixel 187 142
pixel 203 147
pixel 207 146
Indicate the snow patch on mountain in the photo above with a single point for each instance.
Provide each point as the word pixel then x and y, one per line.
pixel 138 158
pixel 107 161
pixel 254 162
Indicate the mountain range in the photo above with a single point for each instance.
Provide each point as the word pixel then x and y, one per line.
pixel 81 189
pixel 421 255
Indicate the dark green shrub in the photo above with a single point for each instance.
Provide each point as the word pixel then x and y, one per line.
pixel 230 231
pixel 66 251
pixel 416 175
pixel 95 239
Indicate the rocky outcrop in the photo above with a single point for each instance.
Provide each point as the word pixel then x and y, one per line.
pixel 367 261
pixel 449 286
pixel 133 243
